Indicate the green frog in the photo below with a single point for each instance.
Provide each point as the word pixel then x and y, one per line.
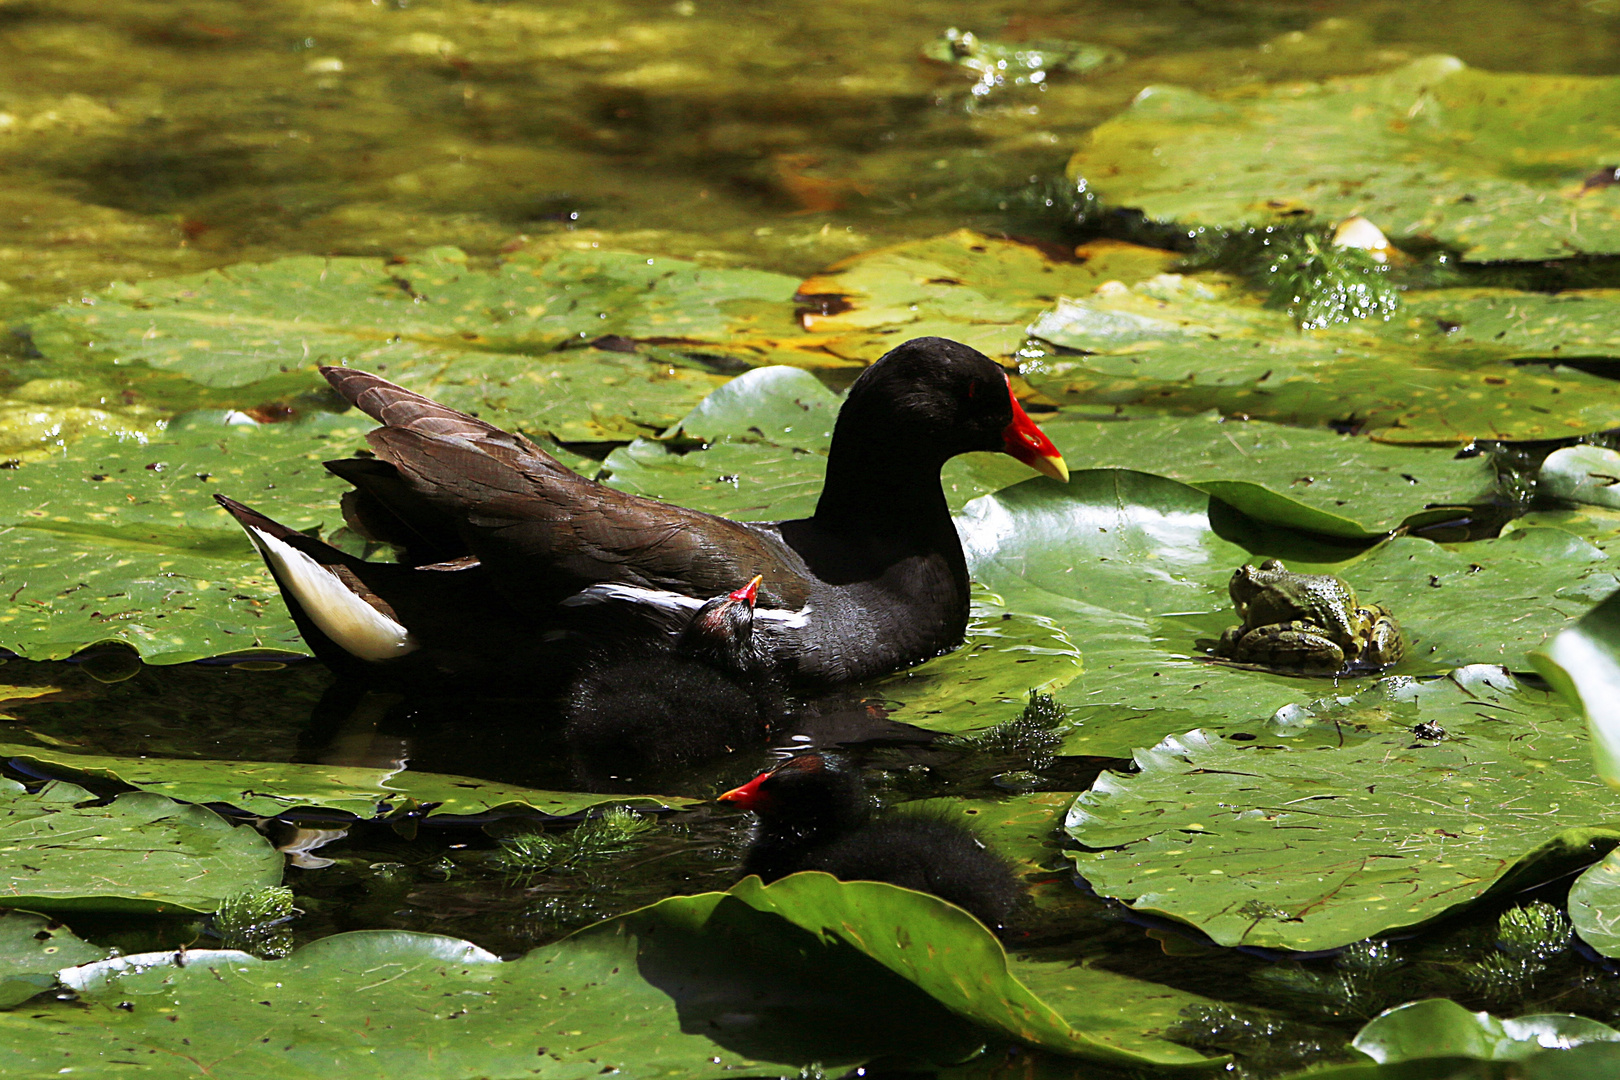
pixel 1306 622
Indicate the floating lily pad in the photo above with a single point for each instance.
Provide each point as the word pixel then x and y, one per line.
pixel 1491 164
pixel 1583 663
pixel 1303 478
pixel 122 541
pixel 948 954
pixel 1583 474
pixel 1190 343
pixel 1442 1028
pixel 33 949
pixel 667 990
pixel 975 289
pixel 1594 905
pixel 139 853
pixel 1344 820
pixel 274 787
pixel 1134 569
pixel 249 323
pixel 1007 654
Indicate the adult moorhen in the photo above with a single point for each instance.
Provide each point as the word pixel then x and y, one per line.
pixel 814 814
pixel 713 692
pixel 507 551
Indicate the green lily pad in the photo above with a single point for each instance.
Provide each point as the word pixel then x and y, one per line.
pixel 1583 474
pixel 576 395
pixel 238 326
pixel 973 288
pixel 1598 524
pixel 1302 478
pixel 1134 569
pixel 269 788
pixel 122 541
pixel 1344 819
pixel 1594 905
pixel 1490 164
pixel 1194 342
pixel 748 481
pixel 949 955
pixel 33 949
pixel 690 986
pixel 1442 1028
pixel 1583 664
pixel 786 406
pixel 139 853
pixel 1007 654
pixel 1590 1061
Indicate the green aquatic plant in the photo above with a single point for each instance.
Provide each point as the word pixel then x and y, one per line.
pixel 1031 735
pixel 1535 931
pixel 255 921
pixel 600 839
pixel 1320 283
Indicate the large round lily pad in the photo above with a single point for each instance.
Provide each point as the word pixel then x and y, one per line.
pixel 139 853
pixel 1491 164
pixel 1345 819
pixel 1442 371
pixel 691 986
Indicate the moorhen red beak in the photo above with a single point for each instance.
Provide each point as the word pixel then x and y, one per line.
pixel 509 554
pixel 1029 444
pixel 814 814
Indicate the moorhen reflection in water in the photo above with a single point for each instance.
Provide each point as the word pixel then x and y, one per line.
pixel 510 558
pixel 814 814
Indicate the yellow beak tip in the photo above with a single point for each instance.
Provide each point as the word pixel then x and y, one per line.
pixel 1055 467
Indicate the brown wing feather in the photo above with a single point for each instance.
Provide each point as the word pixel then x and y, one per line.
pixel 549 531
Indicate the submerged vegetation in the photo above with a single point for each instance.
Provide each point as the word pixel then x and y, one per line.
pixel 1277 286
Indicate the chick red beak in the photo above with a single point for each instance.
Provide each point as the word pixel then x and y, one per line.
pixel 749 796
pixel 1029 444
pixel 750 591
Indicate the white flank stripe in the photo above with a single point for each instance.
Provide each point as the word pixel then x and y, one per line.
pixel 353 625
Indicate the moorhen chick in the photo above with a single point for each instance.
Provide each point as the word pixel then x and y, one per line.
pixel 814 814
pixel 710 694
pixel 507 550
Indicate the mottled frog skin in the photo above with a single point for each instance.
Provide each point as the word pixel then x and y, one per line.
pixel 1307 623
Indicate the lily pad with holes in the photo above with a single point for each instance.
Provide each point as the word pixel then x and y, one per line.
pixel 139 853
pixel 1493 165
pixel 273 787
pixel 1349 816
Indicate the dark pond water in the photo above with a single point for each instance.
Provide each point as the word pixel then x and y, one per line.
pixel 146 138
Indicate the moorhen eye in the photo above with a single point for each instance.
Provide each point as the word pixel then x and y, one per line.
pixel 515 567
pixel 814 814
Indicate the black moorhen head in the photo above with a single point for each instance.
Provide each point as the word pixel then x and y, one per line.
pixel 709 695
pixel 814 814
pixel 491 524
